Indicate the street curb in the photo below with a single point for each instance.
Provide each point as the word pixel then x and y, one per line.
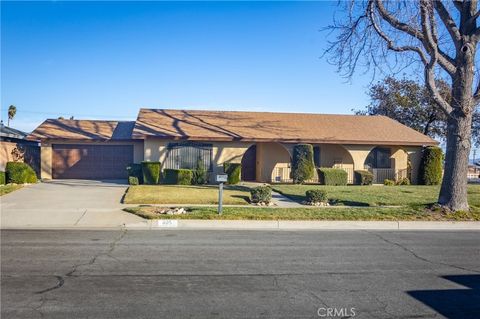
pixel 304 225
pixel 160 224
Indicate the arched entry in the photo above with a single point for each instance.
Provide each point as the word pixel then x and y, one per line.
pixel 249 164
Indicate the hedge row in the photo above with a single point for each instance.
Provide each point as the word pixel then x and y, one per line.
pixel 20 173
pixel 332 176
pixel 3 180
pixel 177 176
pixel 363 177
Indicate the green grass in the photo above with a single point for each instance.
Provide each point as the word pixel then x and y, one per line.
pixel 5 189
pixel 252 213
pixel 376 195
pixel 185 194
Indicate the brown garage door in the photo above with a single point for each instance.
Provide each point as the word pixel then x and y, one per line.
pixel 91 161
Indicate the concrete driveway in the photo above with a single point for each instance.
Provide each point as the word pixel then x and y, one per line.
pixel 66 203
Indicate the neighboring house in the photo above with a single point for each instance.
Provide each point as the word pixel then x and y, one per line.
pixel 15 147
pixel 262 141
pixel 473 171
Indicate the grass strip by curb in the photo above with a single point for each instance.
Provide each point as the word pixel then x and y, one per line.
pixel 419 213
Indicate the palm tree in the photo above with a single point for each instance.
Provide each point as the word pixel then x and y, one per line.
pixel 12 110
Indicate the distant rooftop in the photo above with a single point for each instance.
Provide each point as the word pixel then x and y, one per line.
pixel 6 131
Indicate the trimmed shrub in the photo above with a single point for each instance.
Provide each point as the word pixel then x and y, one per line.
pixel 133 180
pixel 151 172
pixel 234 172
pixel 403 181
pixel 177 176
pixel 302 163
pixel 261 194
pixel 20 173
pixel 316 196
pixel 199 176
pixel 2 178
pixel 389 182
pixel 332 176
pixel 135 170
pixel 431 166
pixel 363 177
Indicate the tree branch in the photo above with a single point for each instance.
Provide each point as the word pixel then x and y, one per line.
pixel 449 23
pixel 445 61
pixel 390 44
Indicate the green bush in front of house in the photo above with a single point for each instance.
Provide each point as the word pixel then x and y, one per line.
pixel 3 180
pixel 316 196
pixel 199 174
pixel 303 167
pixel 20 173
pixel 261 195
pixel 177 176
pixel 332 176
pixel 388 182
pixel 363 177
pixel 133 180
pixel 431 166
pixel 135 170
pixel 403 181
pixel 234 172
pixel 151 172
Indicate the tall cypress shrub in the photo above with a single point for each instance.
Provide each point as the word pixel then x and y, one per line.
pixel 302 163
pixel 151 172
pixel 430 172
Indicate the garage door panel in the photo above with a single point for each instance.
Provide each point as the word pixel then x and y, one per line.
pixel 91 161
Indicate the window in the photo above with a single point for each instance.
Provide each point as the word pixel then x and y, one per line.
pixel 378 158
pixel 316 156
pixel 186 155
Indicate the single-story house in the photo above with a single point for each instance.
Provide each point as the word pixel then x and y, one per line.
pixel 15 147
pixel 262 141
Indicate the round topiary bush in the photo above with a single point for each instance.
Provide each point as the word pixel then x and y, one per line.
pixel 316 196
pixel 261 195
pixel 388 182
pixel 302 163
pixel 431 166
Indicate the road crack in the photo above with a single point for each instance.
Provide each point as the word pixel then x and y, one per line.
pixel 61 279
pixel 414 254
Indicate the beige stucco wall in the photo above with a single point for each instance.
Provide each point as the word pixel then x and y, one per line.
pixel 156 150
pixel 6 149
pixel 269 157
pixel 275 155
pixel 46 153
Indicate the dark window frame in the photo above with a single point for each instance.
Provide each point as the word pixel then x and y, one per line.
pixel 374 158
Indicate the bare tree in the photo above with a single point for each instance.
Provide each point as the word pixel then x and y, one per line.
pixel 437 37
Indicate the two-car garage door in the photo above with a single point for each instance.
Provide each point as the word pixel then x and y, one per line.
pixel 91 161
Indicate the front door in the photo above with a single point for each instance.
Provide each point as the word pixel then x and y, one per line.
pixel 249 162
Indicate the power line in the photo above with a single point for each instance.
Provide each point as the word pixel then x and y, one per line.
pixel 74 114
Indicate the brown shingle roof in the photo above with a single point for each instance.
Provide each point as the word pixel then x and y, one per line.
pixel 280 127
pixel 83 130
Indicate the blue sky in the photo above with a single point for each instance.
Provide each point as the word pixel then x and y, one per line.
pixel 105 60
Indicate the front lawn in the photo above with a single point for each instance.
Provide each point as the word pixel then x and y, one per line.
pixel 5 189
pixel 414 195
pixel 185 194
pixel 341 213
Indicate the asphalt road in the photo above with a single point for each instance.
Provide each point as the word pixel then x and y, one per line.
pixel 239 274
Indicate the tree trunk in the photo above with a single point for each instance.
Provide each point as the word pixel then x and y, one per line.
pixel 453 193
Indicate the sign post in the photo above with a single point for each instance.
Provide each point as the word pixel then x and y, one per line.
pixel 221 178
